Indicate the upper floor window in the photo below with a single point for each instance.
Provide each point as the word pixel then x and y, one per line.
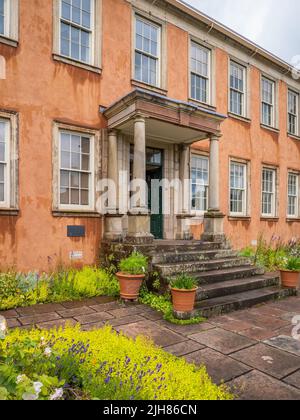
pixel 76 29
pixel 238 188
pixel 200 73
pixel 4 162
pixel 76 170
pixel 3 16
pixel 293 107
pixel 269 192
pixel 147 52
pixel 237 89
pixel 200 183
pixel 293 195
pixel 268 102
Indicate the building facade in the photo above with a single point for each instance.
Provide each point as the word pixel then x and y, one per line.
pixel 97 89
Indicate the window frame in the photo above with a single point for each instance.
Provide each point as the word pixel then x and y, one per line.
pixel 209 72
pixel 272 105
pixel 95 62
pixel 245 166
pixel 292 91
pixel 59 127
pixel 5 204
pixel 296 215
pixel 204 157
pixel 11 23
pixel 274 193
pixel 158 84
pixel 244 93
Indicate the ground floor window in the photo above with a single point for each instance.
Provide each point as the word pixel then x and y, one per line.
pixel 200 182
pixel 4 162
pixel 76 170
pixel 293 194
pixel 238 188
pixel 269 192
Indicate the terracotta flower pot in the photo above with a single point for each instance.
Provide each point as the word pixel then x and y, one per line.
pixel 130 285
pixel 290 279
pixel 183 300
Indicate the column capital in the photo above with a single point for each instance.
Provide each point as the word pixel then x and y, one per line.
pixel 112 132
pixel 216 137
pixel 140 118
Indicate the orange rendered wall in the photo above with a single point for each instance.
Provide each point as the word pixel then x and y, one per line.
pixel 42 90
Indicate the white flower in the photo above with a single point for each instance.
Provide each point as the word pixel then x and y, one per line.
pixel 37 386
pixel 3 324
pixel 29 397
pixel 58 394
pixel 47 352
pixel 20 379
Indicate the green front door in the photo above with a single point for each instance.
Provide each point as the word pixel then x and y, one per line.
pixel 155 172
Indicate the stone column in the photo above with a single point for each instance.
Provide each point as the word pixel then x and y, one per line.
pixel 214 219
pixel 113 219
pixel 183 219
pixel 138 217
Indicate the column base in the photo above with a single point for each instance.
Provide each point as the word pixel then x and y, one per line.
pixel 139 227
pixel 183 227
pixel 213 227
pixel 114 227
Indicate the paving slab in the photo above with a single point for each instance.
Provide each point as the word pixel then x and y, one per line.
pixel 37 319
pixel 256 386
pixel 130 310
pixel 13 323
pixel 260 320
pixel 267 310
pixel 60 323
pixel 182 349
pixel 294 379
pixel 257 333
pixel 225 342
pixel 93 327
pixel 40 309
pixel 269 360
pixel 102 307
pixel 130 319
pixel 92 318
pixel 236 326
pixel 219 367
pixel 285 343
pixel 10 314
pixel 153 316
pixel 187 330
pixel 159 335
pixel 71 313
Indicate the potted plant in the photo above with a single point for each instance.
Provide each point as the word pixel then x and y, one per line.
pixel 132 274
pixel 290 272
pixel 183 289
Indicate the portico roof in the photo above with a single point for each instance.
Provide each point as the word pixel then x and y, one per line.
pixel 166 118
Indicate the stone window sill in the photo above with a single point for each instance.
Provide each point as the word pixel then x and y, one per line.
pixel 233 218
pixel 269 219
pixel 152 88
pixel 293 219
pixel 76 214
pixel 9 212
pixel 8 41
pixel 239 117
pixel 79 64
pixel 293 136
pixel 273 129
pixel 202 104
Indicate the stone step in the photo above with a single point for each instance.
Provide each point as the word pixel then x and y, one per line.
pixel 172 269
pixel 217 276
pixel 231 287
pixel 188 256
pixel 237 301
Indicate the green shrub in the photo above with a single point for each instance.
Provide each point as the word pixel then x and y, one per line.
pixel 183 282
pixel 25 290
pixel 135 264
pixel 102 364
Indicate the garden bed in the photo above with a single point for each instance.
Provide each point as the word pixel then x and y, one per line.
pixel 70 364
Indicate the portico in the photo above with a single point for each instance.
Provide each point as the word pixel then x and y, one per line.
pixel 142 122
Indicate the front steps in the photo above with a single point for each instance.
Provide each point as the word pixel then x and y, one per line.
pixel 226 281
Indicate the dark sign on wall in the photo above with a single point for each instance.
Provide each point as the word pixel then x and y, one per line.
pixel 76 231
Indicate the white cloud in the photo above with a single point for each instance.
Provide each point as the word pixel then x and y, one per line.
pixel 270 23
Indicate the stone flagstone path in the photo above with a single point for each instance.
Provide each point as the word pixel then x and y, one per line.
pixel 252 351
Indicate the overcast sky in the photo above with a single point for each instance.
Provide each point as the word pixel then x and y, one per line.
pixel 273 24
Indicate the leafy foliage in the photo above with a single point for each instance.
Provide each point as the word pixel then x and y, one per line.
pixel 290 264
pixel 183 282
pixel 71 364
pixel 25 290
pixel 135 264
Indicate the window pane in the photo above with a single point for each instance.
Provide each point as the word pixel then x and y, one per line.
pixel 200 179
pixel 268 192
pixel 293 198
